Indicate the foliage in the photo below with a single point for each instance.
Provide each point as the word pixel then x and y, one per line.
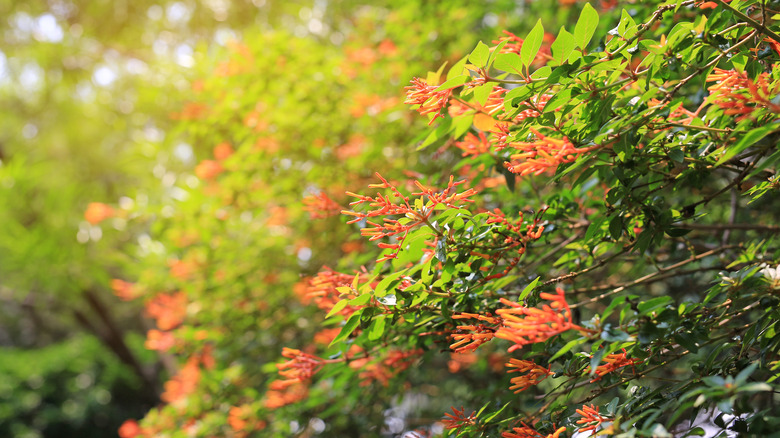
pixel 583 240
pixel 73 388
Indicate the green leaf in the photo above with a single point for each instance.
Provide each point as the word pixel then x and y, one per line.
pixel 381 287
pixel 528 289
pixel 482 93
pixel 457 81
pixel 479 56
pixel 749 139
pixel 338 307
pixel 562 46
pixel 348 328
pixel 569 345
pixel 586 26
pixel 531 44
pixel 377 328
pixel 509 62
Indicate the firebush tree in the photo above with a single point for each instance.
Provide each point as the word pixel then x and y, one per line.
pixel 585 246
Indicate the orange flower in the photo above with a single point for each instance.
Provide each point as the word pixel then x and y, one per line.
pixel 300 368
pixel 126 291
pixel 528 432
pixel 591 417
pixel 471 145
pixel 208 169
pixel 277 398
pixel 182 384
pixel 428 99
pixel 129 429
pixel 739 95
pixel 543 155
pixel 222 151
pixel 525 326
pixel 97 212
pixel 613 362
pixel 534 374
pixel 458 419
pixel 168 310
pixel 480 333
pixel 159 340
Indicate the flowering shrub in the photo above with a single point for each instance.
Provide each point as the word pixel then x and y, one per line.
pixel 598 259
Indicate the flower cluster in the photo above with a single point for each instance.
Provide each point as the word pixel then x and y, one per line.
pixel 388 367
pixel 458 419
pixel 533 374
pixel 477 335
pixel 321 206
pixel 299 369
pixel 529 432
pixel 543 155
pixel 415 215
pixel 590 417
pixel 323 289
pixel 524 326
pixel 613 362
pixel 737 94
pixel 428 99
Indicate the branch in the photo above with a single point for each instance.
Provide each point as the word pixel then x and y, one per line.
pixel 755 24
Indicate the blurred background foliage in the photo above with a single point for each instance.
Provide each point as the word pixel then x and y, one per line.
pixel 121 103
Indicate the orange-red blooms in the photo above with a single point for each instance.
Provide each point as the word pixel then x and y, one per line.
pixel 478 333
pixel 208 169
pixel 524 326
pixel 528 432
pixel 471 145
pixel 458 419
pixel 168 310
pixel 300 368
pixel 533 374
pixel 613 362
pixel 222 151
pixel 129 429
pixel 385 206
pixel 124 290
pixel 543 155
pixel 590 417
pixel 428 99
pixel 322 290
pixel 159 340
pixel 739 95
pixel 292 394
pixel 97 212
pixel 241 420
pixel 321 206
pixel 184 383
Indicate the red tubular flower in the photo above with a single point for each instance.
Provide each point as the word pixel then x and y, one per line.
pixel 388 367
pixel 739 95
pixel 321 206
pixel 590 417
pixel 458 419
pixel 428 99
pixel 533 374
pixel 322 289
pixel 418 213
pixel 525 326
pixel 471 145
pixel 613 362
pixel 544 154
pixel 513 43
pixel 480 333
pixel 300 368
pixel 529 432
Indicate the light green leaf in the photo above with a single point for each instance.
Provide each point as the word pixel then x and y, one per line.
pixel 586 26
pixel 747 140
pixel 531 44
pixel 479 55
pixel 562 46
